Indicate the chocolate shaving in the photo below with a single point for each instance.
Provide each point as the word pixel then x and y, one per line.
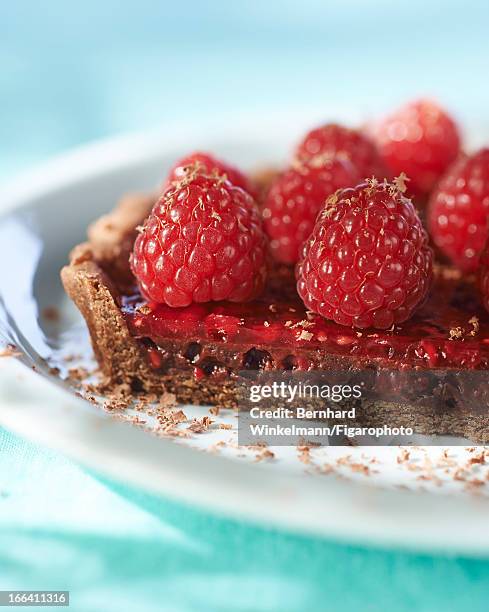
pixel 200 425
pixel 10 351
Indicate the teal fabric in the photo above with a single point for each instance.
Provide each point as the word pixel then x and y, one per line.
pixel 71 72
pixel 118 549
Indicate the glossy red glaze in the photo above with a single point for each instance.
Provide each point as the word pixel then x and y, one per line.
pixel 279 324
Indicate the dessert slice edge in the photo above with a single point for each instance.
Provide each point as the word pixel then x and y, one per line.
pixel 96 297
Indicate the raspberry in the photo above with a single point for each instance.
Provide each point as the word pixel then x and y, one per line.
pixel 367 262
pixel 203 241
pixel 335 140
pixel 208 164
pixel 295 198
pixel 420 139
pixel 458 210
pixel 484 276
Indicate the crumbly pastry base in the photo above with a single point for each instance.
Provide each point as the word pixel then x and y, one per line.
pixel 94 279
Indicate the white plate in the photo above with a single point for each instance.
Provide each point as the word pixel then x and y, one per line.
pixel 417 503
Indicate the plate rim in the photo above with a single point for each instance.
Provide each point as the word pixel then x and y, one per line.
pixel 350 511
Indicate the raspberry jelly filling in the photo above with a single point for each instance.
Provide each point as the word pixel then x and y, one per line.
pixel 277 332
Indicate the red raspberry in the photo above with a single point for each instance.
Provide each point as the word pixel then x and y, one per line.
pixel 208 164
pixel 458 210
pixel 420 139
pixel 367 262
pixel 484 276
pixel 203 241
pixel 336 140
pixel 295 198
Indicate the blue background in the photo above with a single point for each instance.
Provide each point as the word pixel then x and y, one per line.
pixel 74 72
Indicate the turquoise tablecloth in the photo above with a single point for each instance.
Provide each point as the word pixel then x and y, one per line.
pixel 72 72
pixel 119 549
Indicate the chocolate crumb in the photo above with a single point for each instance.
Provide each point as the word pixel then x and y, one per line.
pixel 304 324
pixel 474 321
pixel 10 351
pixel 304 454
pixel 460 475
pixel 78 374
pixel 400 182
pixel 304 335
pixel 403 456
pixel 200 425
pixel 144 309
pixel 456 333
pixel 475 482
pixel 477 459
pixel 51 313
pixel 264 454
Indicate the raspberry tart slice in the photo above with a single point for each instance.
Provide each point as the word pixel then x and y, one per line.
pixel 223 316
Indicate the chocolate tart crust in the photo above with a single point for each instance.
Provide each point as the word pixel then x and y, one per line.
pixel 96 297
